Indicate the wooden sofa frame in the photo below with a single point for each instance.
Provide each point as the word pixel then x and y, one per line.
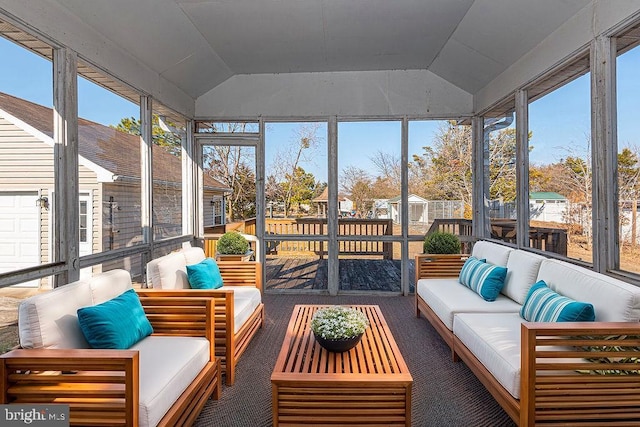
pixel 552 390
pixel 101 387
pixel 229 345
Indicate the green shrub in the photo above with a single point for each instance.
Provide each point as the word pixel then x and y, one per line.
pixel 232 243
pixel 441 243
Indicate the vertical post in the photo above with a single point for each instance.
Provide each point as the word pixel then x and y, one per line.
pixel 190 197
pixel 604 153
pixel 146 174
pixel 333 273
pixel 522 168
pixel 404 195
pixel 260 197
pixel 480 161
pixel 66 231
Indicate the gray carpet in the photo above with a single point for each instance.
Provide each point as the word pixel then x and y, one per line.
pixel 444 393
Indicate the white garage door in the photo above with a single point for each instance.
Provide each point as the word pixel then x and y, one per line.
pixel 19 232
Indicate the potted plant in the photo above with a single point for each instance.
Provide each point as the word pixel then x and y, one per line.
pixel 441 242
pixel 233 246
pixel 338 328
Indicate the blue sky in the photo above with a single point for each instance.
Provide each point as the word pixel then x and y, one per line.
pixel 559 122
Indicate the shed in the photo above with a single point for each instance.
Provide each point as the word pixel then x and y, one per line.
pixel 548 206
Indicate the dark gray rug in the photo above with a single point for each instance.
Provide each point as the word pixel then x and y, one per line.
pixel 444 393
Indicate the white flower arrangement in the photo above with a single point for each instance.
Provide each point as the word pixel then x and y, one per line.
pixel 338 322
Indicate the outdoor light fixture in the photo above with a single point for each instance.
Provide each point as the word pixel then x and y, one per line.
pixel 43 202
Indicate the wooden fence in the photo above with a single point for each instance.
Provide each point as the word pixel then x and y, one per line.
pixel 348 228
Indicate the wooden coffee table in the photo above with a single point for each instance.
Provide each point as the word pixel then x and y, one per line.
pixel 368 385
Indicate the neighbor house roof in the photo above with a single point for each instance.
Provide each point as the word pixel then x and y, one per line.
pixel 546 195
pixel 324 197
pixel 115 151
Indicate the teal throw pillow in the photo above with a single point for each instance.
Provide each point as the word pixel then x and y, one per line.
pixel 485 279
pixel 545 305
pixel 204 275
pixel 117 324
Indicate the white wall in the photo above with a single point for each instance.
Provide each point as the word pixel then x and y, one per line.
pixel 574 35
pixel 47 17
pixel 354 93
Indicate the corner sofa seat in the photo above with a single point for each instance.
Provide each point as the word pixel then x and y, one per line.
pixel 500 347
pixel 167 373
pixel 239 307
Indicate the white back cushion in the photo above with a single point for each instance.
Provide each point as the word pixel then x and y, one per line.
pixel 193 255
pixel 612 299
pixel 109 285
pixel 172 272
pixel 522 271
pixel 50 319
pixel 492 252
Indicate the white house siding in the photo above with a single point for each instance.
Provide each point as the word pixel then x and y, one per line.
pixel 26 164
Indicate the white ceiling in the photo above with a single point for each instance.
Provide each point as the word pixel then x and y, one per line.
pixel 198 44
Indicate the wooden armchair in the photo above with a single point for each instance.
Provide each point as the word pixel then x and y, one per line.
pixel 104 387
pixel 239 300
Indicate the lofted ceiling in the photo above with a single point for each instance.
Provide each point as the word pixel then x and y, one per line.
pixel 198 44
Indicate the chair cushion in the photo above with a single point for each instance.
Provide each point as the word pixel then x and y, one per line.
pixel 447 297
pixel 245 301
pixel 117 324
pixel 204 275
pixel 544 305
pixel 193 255
pixel 172 272
pixel 522 270
pixel 613 300
pixel 494 339
pixel 483 278
pixel 494 253
pixel 50 319
pixel 108 285
pixel 168 365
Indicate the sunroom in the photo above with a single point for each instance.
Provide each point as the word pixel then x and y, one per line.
pixel 334 134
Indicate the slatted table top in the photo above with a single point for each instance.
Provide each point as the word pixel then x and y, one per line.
pixel 375 358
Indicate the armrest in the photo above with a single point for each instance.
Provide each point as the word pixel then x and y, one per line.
pixel 181 313
pixel 431 266
pixel 95 383
pixel 241 273
pixel 569 372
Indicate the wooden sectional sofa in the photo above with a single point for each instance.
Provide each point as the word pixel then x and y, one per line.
pixel 239 309
pixel 540 373
pixel 165 379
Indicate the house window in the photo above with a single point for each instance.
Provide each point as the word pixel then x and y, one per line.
pixel 218 211
pixel 83 222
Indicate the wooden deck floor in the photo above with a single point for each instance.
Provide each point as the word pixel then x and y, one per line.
pixel 355 274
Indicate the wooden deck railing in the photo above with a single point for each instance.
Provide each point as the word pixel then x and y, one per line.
pixel 544 238
pixel 347 227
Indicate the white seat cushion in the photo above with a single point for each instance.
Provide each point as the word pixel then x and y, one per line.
pixel 494 253
pixel 447 297
pixel 245 301
pixel 522 270
pixel 193 255
pixel 168 365
pixel 50 319
pixel 494 339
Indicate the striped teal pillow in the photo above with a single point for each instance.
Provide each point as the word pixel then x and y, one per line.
pixel 544 305
pixel 483 278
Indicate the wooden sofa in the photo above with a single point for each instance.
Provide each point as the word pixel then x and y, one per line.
pixel 165 379
pixel 239 309
pixel 539 372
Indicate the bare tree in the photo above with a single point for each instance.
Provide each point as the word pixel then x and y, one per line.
pixel 357 183
pixel 288 160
